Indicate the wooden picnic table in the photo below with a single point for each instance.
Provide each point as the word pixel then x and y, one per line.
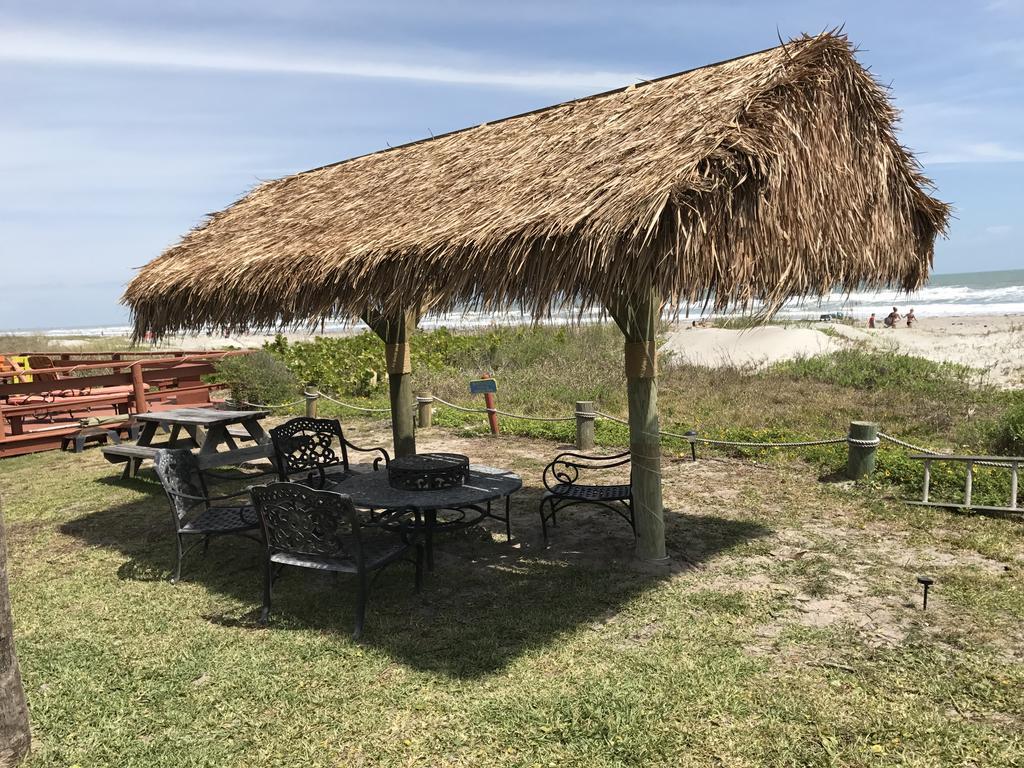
pixel 206 430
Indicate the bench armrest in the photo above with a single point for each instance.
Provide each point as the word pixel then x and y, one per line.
pixel 385 456
pixel 565 468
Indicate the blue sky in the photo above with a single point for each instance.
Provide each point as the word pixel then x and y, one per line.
pixel 124 122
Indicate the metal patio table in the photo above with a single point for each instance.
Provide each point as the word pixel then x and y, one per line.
pixel 468 503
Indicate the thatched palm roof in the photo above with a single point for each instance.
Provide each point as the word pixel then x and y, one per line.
pixel 764 177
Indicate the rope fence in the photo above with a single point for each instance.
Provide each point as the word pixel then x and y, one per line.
pixel 862 439
pixel 425 403
pixel 692 437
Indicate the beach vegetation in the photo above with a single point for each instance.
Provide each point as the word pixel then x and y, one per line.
pixel 1008 431
pixel 259 378
pixel 544 370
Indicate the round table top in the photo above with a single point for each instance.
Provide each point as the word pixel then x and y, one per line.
pixel 371 490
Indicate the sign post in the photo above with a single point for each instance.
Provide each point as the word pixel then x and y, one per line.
pixel 487 386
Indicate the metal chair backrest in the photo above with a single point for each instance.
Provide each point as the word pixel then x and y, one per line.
pixel 182 480
pixel 565 469
pixel 309 445
pixel 303 521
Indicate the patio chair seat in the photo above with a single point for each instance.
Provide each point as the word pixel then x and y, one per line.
pixel 332 476
pixel 193 514
pixel 591 492
pixel 377 552
pixel 223 520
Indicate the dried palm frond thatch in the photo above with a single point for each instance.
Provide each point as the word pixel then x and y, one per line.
pixel 769 176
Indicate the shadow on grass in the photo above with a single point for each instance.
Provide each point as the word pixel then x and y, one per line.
pixel 487 602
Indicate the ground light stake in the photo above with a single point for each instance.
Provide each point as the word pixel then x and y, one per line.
pixel 925 582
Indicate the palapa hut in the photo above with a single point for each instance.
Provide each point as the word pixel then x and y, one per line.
pixel 747 182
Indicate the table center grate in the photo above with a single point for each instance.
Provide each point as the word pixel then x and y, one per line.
pixel 428 471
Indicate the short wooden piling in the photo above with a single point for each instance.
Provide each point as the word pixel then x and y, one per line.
pixel 424 409
pixel 585 425
pixel 969 485
pixel 1013 481
pixel 312 394
pixel 862 449
pixel 492 416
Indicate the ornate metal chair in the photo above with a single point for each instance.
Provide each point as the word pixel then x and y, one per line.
pixel 192 512
pixel 561 478
pixel 322 530
pixel 318 448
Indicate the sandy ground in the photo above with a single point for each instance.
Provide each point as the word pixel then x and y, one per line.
pixel 993 344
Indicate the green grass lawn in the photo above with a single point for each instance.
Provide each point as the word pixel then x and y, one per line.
pixel 787 632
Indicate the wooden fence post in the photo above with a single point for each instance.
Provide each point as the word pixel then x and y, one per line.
pixel 139 388
pixel 312 393
pixel 492 417
pixel 860 459
pixel 424 408
pixel 585 425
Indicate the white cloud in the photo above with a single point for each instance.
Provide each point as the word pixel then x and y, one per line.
pixel 999 229
pixel 49 46
pixel 979 152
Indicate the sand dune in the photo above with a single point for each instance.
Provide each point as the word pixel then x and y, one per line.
pixel 752 347
pixel 993 344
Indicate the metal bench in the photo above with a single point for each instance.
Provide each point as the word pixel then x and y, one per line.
pixel 561 478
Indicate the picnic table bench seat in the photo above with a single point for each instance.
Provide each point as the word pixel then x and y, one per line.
pixel 136 454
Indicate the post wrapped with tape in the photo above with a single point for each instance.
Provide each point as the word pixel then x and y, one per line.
pixel 641 359
pixel 397 358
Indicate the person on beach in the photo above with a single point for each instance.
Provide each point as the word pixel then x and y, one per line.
pixel 911 318
pixel 871 320
pixel 892 318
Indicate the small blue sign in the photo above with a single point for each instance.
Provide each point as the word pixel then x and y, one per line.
pixel 481 386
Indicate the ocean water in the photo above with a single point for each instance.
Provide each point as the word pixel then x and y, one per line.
pixel 967 293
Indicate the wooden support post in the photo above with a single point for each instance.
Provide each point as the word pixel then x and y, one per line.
pixel 637 317
pixel 424 409
pixel 138 389
pixel 585 425
pixel 927 479
pixel 312 394
pixel 862 448
pixel 395 329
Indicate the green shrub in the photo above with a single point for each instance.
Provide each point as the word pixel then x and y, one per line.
pixel 259 377
pixel 524 357
pixel 868 369
pixel 349 365
pixel 1008 434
